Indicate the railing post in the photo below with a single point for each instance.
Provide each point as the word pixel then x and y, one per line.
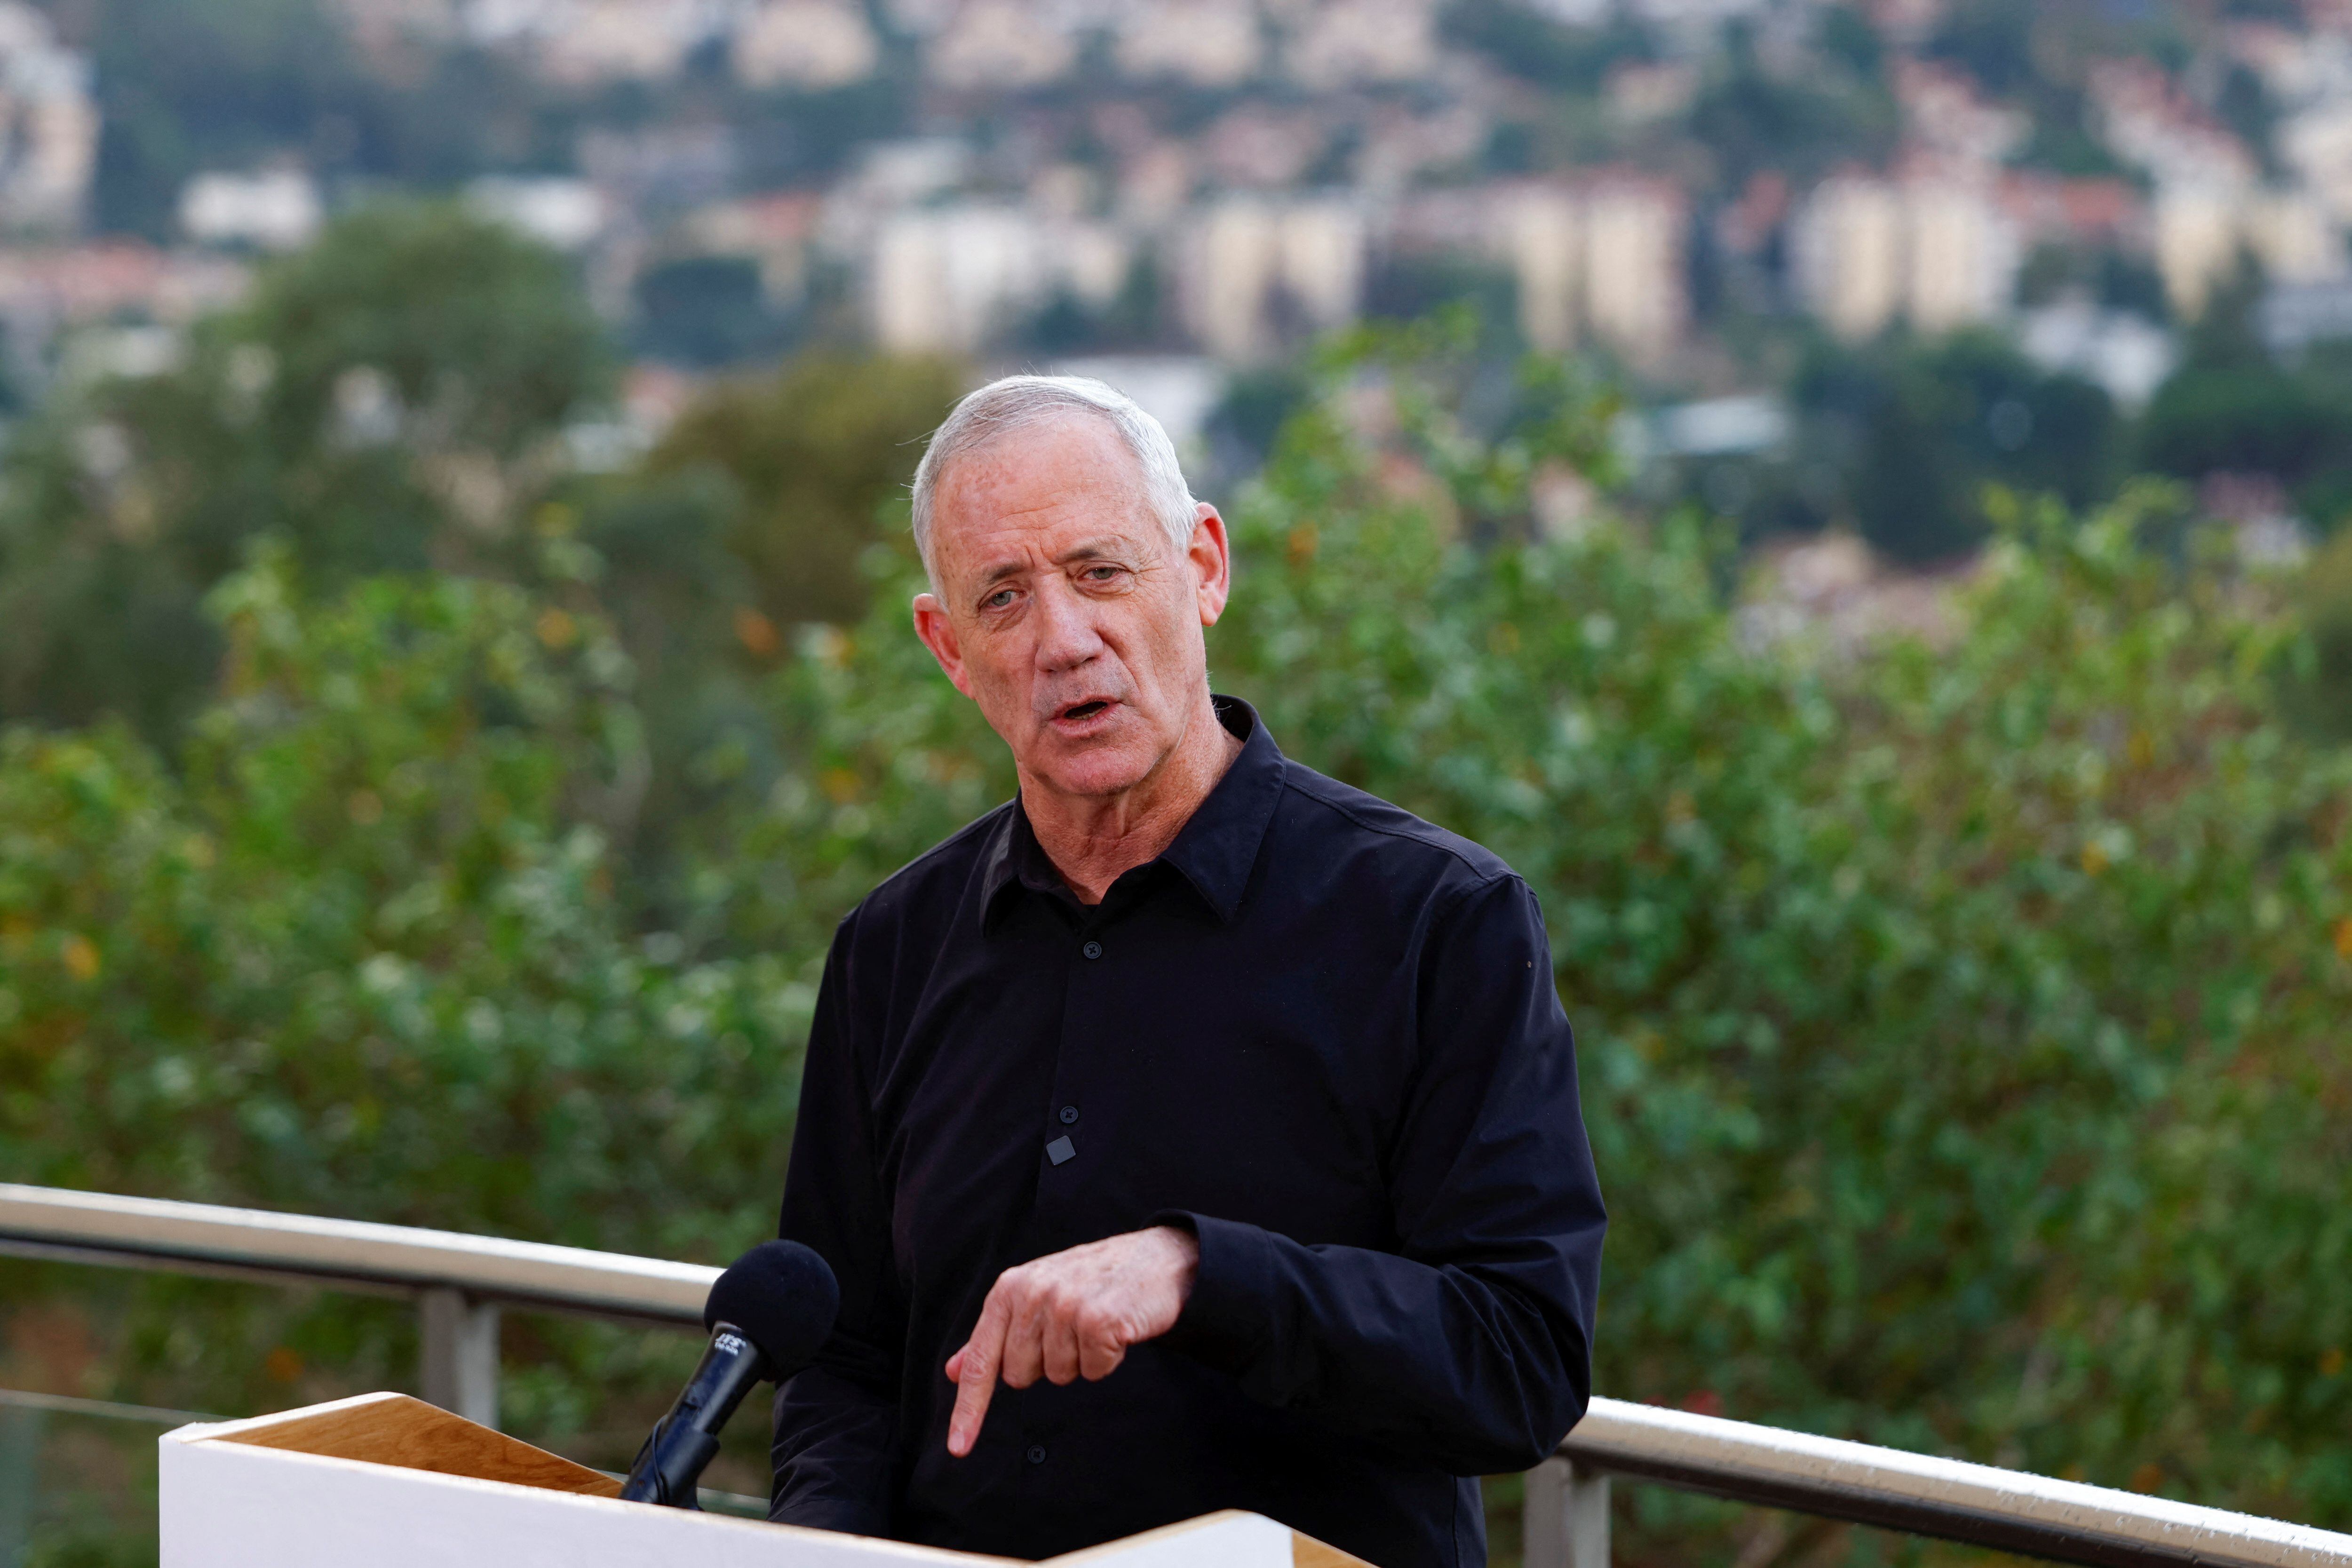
pixel 20 1464
pixel 460 1355
pixel 1567 1521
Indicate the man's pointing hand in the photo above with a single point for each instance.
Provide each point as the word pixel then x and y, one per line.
pixel 1070 1314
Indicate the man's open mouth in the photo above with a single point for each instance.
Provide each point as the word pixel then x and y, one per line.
pixel 1084 710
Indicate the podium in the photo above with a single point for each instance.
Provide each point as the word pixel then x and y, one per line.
pixel 383 1481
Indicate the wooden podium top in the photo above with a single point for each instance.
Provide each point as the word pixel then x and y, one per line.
pixel 384 1481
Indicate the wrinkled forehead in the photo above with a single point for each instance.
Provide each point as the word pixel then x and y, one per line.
pixel 1028 488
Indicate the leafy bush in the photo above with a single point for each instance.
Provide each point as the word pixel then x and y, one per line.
pixel 361 956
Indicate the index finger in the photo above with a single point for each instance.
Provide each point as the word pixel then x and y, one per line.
pixel 981 1356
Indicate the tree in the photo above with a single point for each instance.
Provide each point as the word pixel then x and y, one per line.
pixel 811 454
pixel 1751 117
pixel 1922 428
pixel 387 398
pixel 2231 407
pixel 358 948
pixel 187 85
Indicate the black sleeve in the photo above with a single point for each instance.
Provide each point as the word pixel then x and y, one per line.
pixel 837 1429
pixel 1470 1348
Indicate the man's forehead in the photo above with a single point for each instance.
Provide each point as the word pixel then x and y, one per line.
pixel 1049 489
pixel 1062 451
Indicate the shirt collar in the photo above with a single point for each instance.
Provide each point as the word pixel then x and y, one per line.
pixel 1214 851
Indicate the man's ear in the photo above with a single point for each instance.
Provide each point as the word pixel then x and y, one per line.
pixel 938 634
pixel 1212 556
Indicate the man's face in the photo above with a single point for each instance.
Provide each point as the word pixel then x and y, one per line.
pixel 1063 609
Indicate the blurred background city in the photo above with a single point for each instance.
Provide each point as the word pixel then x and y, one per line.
pixel 1845 498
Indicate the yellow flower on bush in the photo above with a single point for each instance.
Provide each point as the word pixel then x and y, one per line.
pixel 80 955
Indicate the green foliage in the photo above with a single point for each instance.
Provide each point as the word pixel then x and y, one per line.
pixel 364 957
pixel 1848 36
pixel 1992 40
pixel 1522 40
pixel 191 84
pixel 706 310
pixel 811 454
pixel 2316 681
pixel 1751 117
pixel 386 399
pixel 483 336
pixel 186 86
pixel 2244 104
pixel 2231 407
pixel 1922 427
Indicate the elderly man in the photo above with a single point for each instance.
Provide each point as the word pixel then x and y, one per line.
pixel 1194 1132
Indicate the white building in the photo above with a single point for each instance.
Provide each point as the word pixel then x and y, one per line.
pixel 999 45
pixel 1257 265
pixel 948 279
pixel 2201 230
pixel 1634 266
pixel 48 126
pixel 1847 252
pixel 1962 256
pixel 2126 353
pixel 1347 43
pixel 586 42
pixel 2145 121
pixel 1606 260
pixel 1207 43
pixel 568 213
pixel 944 279
pixel 1543 241
pixel 274 209
pixel 622 40
pixel 2317 144
pixel 1945 116
pixel 1935 249
pixel 805 44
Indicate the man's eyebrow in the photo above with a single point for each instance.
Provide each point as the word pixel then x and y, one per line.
pixel 1093 549
pixel 1108 544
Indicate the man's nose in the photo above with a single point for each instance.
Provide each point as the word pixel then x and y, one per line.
pixel 1066 635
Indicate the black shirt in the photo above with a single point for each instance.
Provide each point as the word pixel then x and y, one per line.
pixel 1320 1032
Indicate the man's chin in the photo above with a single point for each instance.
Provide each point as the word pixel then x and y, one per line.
pixel 1091 769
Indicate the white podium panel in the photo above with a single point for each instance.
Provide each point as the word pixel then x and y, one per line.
pixel 386 1481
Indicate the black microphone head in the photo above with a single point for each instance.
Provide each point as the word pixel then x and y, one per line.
pixel 784 1298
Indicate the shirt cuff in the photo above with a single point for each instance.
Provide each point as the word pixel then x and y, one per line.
pixel 1228 1320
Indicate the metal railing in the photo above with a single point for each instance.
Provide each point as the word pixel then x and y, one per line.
pixel 459 1282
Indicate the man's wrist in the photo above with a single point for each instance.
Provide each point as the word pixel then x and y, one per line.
pixel 1184 1251
pixel 1228 1315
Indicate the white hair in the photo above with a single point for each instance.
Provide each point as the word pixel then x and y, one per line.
pixel 1015 402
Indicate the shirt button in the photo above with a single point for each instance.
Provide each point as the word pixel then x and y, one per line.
pixel 1036 1452
pixel 1069 1116
pixel 1092 950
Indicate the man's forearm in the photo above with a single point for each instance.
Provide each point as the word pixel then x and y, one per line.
pixel 1475 1369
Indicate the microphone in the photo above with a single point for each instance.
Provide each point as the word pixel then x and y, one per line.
pixel 768 1316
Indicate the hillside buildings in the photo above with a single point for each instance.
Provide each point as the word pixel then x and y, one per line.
pixel 1228 177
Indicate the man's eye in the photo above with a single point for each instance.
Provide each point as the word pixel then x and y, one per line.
pixel 1100 574
pixel 997 600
